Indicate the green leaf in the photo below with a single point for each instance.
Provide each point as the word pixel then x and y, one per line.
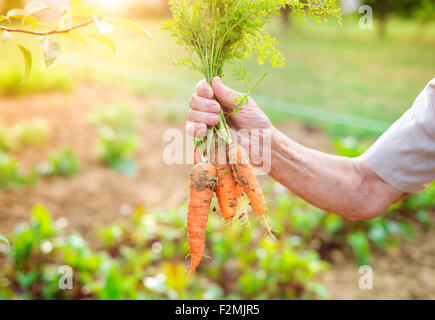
pixel 360 247
pixel 42 218
pixel 4 239
pixel 130 24
pixel 106 41
pixel 27 55
pixel 51 49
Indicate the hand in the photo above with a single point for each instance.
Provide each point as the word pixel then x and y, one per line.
pixel 204 109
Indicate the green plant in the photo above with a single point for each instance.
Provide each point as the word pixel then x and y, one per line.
pixel 144 258
pixel 4 239
pixel 11 81
pixel 422 200
pixel 62 163
pixel 349 147
pixel 33 133
pixel 118 140
pixel 5 140
pixel 11 175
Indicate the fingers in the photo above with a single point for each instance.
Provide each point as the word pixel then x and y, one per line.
pixel 224 94
pixel 209 119
pixel 204 90
pixel 199 103
pixel 196 130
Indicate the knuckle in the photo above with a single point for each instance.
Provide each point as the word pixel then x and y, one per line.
pixel 190 115
pixel 203 89
pixel 192 100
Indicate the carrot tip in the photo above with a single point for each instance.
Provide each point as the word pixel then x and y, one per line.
pixel 269 229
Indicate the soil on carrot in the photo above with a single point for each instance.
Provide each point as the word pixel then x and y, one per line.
pixel 98 195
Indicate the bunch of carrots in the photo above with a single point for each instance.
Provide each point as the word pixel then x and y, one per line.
pixel 229 179
pixel 215 33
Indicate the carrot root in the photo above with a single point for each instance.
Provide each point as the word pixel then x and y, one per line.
pixel 203 181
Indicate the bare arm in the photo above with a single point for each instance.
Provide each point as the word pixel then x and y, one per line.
pixel 345 186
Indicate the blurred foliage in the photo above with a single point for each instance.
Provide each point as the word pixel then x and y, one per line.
pixel 426 13
pixel 406 8
pixel 76 21
pixel 24 134
pixel 145 258
pixel 327 232
pixel 12 176
pixel 118 139
pixel 11 81
pixel 32 133
pixel 62 163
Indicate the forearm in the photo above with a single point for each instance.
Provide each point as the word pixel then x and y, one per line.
pixel 335 184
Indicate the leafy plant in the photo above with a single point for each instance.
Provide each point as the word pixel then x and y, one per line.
pixel 79 22
pixel 349 147
pixel 422 200
pixel 4 239
pixel 118 140
pixel 331 231
pixel 11 175
pixel 62 163
pixel 32 133
pixel 144 258
pixel 11 81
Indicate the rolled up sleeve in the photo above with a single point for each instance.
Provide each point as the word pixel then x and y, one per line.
pixel 404 156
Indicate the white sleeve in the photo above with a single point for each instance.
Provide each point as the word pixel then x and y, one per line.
pixel 404 156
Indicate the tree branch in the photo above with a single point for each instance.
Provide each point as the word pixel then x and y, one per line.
pixel 37 33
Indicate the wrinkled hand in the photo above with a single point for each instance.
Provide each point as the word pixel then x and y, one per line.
pixel 204 109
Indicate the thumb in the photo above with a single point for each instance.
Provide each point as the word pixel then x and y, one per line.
pixel 224 94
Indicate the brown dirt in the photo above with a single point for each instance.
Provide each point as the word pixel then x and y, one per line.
pixel 407 273
pixel 96 195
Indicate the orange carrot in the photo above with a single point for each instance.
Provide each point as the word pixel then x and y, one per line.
pixel 246 176
pixel 203 182
pixel 252 188
pixel 239 187
pixel 226 191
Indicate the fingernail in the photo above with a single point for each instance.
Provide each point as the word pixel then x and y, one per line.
pixel 215 107
pixel 214 119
